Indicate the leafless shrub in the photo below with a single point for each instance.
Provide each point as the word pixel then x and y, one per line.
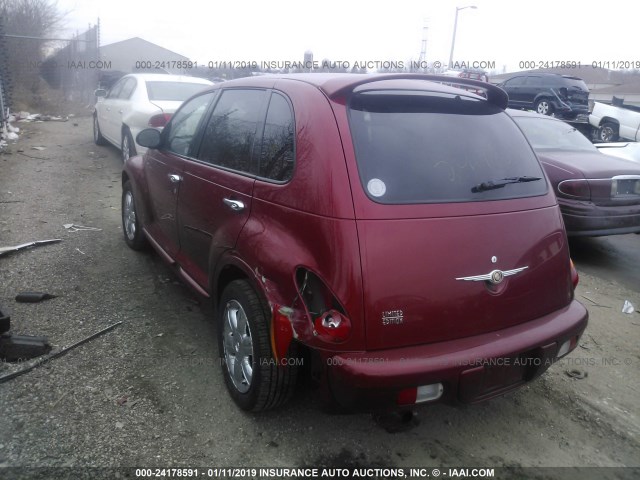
pixel 38 20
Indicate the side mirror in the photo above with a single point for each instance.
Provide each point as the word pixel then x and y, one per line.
pixel 149 138
pixel 100 93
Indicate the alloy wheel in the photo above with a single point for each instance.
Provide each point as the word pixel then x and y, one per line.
pixel 238 346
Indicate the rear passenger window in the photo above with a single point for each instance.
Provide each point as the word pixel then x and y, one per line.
pixel 276 156
pixel 230 134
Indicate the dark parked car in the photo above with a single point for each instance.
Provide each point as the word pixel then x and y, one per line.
pixel 598 194
pixel 548 94
pixel 338 220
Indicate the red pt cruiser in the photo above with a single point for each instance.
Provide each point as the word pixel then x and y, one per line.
pixel 397 234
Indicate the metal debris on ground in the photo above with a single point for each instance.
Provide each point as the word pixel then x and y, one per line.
pixel 7 250
pixel 15 348
pixel 42 361
pixel 577 374
pixel 72 227
pixel 33 297
pixel 5 321
pixel 18 348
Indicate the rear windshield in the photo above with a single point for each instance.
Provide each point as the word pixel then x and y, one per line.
pixel 548 134
pixel 575 83
pixel 178 91
pixel 425 147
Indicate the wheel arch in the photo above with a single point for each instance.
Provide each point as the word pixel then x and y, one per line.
pixel 134 173
pixel 612 120
pixel 548 96
pixel 230 268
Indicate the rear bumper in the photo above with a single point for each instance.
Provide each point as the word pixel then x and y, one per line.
pixel 587 219
pixel 470 369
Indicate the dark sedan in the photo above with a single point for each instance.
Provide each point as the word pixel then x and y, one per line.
pixel 598 194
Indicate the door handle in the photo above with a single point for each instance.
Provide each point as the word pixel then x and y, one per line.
pixel 235 205
pixel 175 178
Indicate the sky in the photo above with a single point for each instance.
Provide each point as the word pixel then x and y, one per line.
pixel 509 35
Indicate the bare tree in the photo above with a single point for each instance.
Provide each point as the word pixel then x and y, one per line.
pixel 27 18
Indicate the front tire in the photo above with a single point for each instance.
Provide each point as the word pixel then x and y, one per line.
pixel 133 235
pixel 254 380
pixel 544 107
pixel 608 132
pixel 128 147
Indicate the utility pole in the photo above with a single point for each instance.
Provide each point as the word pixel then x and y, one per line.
pixel 455 26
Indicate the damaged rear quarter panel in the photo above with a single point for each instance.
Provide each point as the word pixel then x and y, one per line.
pixel 277 240
pixel 309 221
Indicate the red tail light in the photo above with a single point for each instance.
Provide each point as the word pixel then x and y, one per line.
pixel 423 393
pixel 330 321
pixel 574 275
pixel 407 396
pixel 578 189
pixel 160 120
pixel 332 326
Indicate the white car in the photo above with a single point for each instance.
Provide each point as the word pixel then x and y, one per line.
pixel 138 101
pixel 626 150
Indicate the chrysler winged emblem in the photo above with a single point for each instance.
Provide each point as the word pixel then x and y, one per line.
pixel 494 277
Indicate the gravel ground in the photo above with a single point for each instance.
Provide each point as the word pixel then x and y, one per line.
pixel 150 393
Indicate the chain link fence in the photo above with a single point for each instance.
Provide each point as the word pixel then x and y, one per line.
pixel 5 81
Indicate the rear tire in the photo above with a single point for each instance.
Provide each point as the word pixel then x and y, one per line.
pixel 254 380
pixel 133 233
pixel 608 132
pixel 544 107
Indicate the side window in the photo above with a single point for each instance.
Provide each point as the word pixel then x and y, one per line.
pixel 127 89
pixel 230 134
pixel 515 82
pixel 115 90
pixel 276 155
pixel 534 81
pixel 184 124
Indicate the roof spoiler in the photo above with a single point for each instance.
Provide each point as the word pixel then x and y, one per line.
pixel 495 95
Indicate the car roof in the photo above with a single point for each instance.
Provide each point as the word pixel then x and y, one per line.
pixel 161 77
pixel 544 74
pixel 335 84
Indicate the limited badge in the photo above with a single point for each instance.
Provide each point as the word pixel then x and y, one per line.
pixel 392 317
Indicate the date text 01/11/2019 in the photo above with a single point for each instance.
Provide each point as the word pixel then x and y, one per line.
pixel 312 472
pixel 574 64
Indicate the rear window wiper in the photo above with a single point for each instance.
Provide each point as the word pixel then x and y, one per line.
pixel 492 185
